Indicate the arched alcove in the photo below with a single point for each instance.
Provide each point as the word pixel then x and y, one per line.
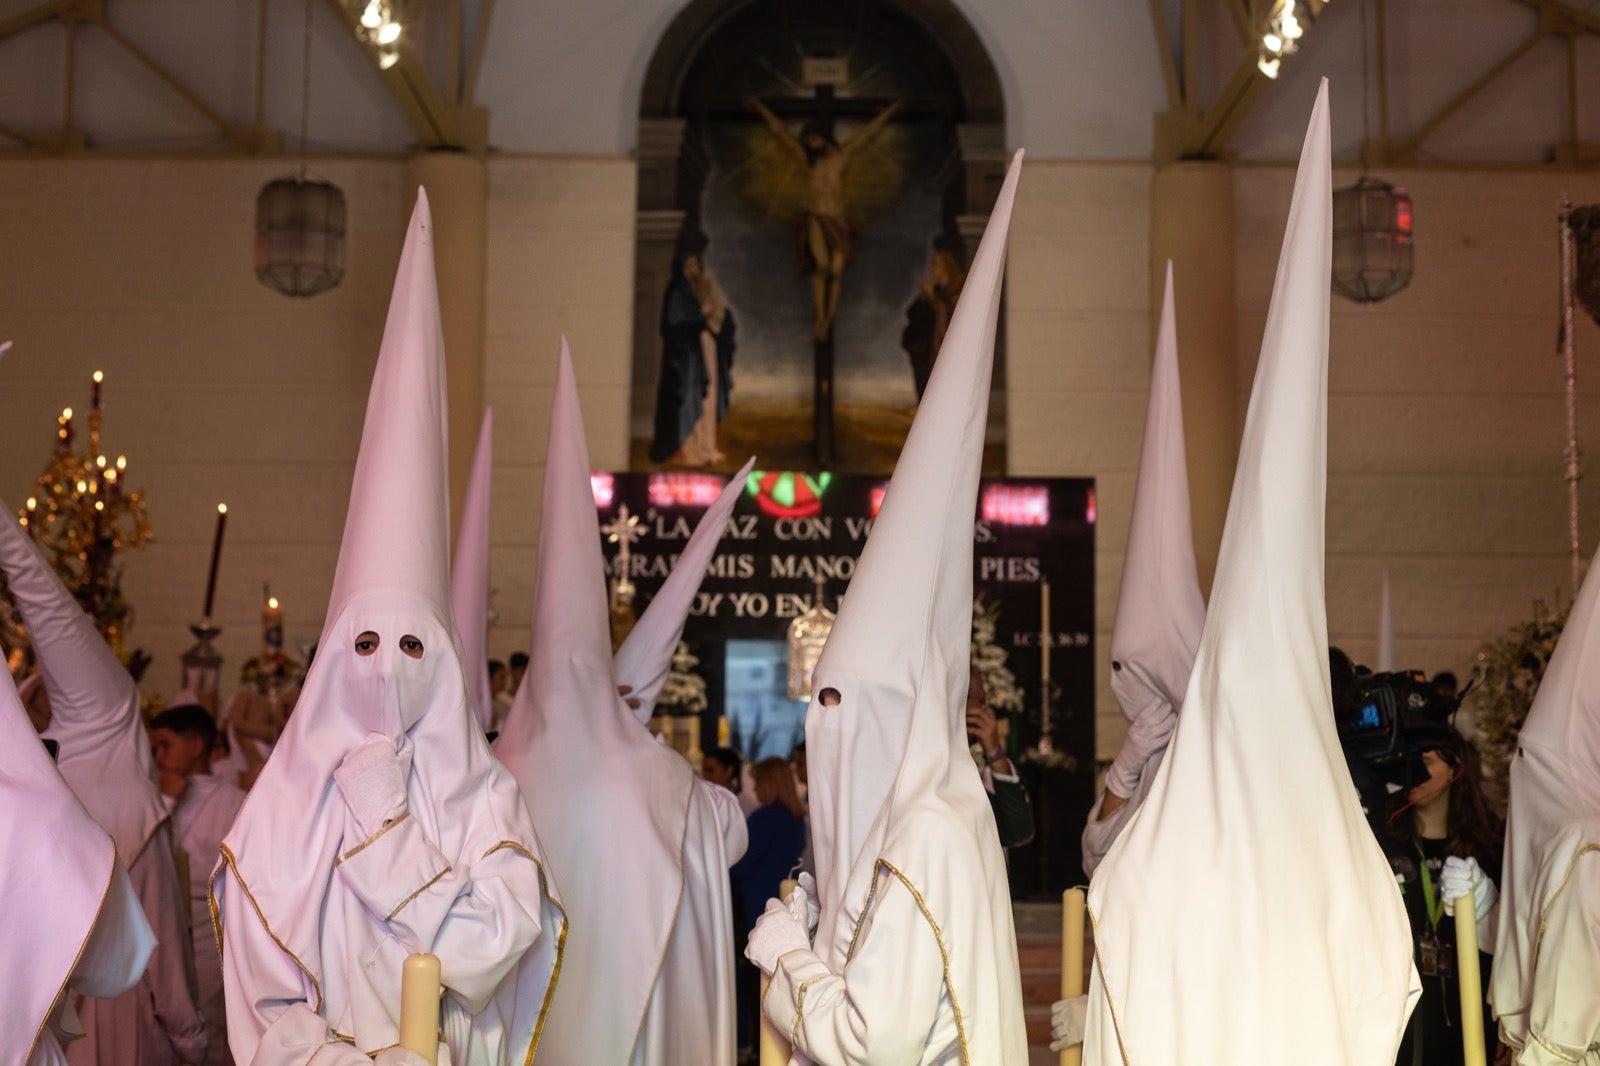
pixel 922 53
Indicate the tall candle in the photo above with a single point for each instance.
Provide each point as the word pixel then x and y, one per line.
pixel 216 557
pixel 94 393
pixel 1044 632
pixel 1471 982
pixel 1072 959
pixel 775 1050
pixel 271 627
pixel 419 1006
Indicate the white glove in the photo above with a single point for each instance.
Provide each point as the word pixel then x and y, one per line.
pixel 1067 1022
pixel 777 932
pixel 372 779
pixel 1462 877
pixel 1147 734
pixel 808 886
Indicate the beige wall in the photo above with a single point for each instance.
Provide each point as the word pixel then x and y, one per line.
pixel 217 388
pixel 560 262
pixel 1446 419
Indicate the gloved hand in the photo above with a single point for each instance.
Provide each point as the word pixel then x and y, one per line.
pixel 808 885
pixel 1067 1022
pixel 1147 734
pixel 777 932
pixel 1461 877
pixel 372 779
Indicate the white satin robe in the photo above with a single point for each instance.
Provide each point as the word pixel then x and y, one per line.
pixel 201 820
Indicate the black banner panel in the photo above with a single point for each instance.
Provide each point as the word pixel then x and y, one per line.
pixel 1033 574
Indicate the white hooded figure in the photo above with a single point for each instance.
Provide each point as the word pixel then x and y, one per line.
pixel 644 659
pixel 1247 913
pixel 1160 610
pixel 643 847
pixel 73 925
pixel 382 826
pixel 915 957
pixel 1546 983
pixel 105 758
pixel 469 577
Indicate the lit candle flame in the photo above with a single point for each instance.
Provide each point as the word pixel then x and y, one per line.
pixel 100 461
pixel 83 486
pixel 111 475
pixel 122 462
pixel 99 505
pixel 98 377
pixel 66 414
pixel 222 508
pixel 33 502
pixel 272 603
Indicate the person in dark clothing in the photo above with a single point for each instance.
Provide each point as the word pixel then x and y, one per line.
pixel 1443 839
pixel 777 837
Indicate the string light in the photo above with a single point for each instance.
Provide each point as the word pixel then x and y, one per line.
pixel 1281 35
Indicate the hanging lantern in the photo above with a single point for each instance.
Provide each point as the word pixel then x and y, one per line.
pixel 299 236
pixel 1371 240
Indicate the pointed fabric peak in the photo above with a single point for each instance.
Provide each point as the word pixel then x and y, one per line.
pixel 645 658
pixel 1160 609
pixel 1254 781
pixel 611 805
pixel 1388 658
pixel 911 566
pixel 570 617
pixel 94 703
pixel 469 577
pixel 401 480
pixel 1546 968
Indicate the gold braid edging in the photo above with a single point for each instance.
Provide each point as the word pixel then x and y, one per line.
pixel 211 893
pixel 561 942
pixel 944 955
pixel 105 894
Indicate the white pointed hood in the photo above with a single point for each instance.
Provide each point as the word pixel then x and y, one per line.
pixel 94 703
pixel 469 577
pixel 1388 658
pixel 1251 844
pixel 891 781
pixel 645 658
pixel 610 803
pixel 59 869
pixel 1546 963
pixel 1160 610
pixel 393 579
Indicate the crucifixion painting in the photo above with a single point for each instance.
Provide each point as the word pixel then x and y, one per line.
pixel 826 236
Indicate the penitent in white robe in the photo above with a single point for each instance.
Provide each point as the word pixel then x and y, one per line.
pixel 201 820
pixel 698 967
pixel 915 957
pixel 154 1023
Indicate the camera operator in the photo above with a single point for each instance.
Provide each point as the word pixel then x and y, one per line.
pixel 1422 789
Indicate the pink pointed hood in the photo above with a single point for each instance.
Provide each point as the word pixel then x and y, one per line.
pixel 1160 610
pixel 1546 963
pixel 645 658
pixel 892 785
pixel 610 803
pixel 393 580
pixel 60 868
pixel 94 704
pixel 469 578
pixel 1254 783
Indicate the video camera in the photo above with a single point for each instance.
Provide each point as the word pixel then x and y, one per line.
pixel 1386 722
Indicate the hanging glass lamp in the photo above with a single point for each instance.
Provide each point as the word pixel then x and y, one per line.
pixel 300 236
pixel 1372 240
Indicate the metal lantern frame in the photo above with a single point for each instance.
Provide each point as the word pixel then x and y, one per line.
pixel 1373 239
pixel 300 236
